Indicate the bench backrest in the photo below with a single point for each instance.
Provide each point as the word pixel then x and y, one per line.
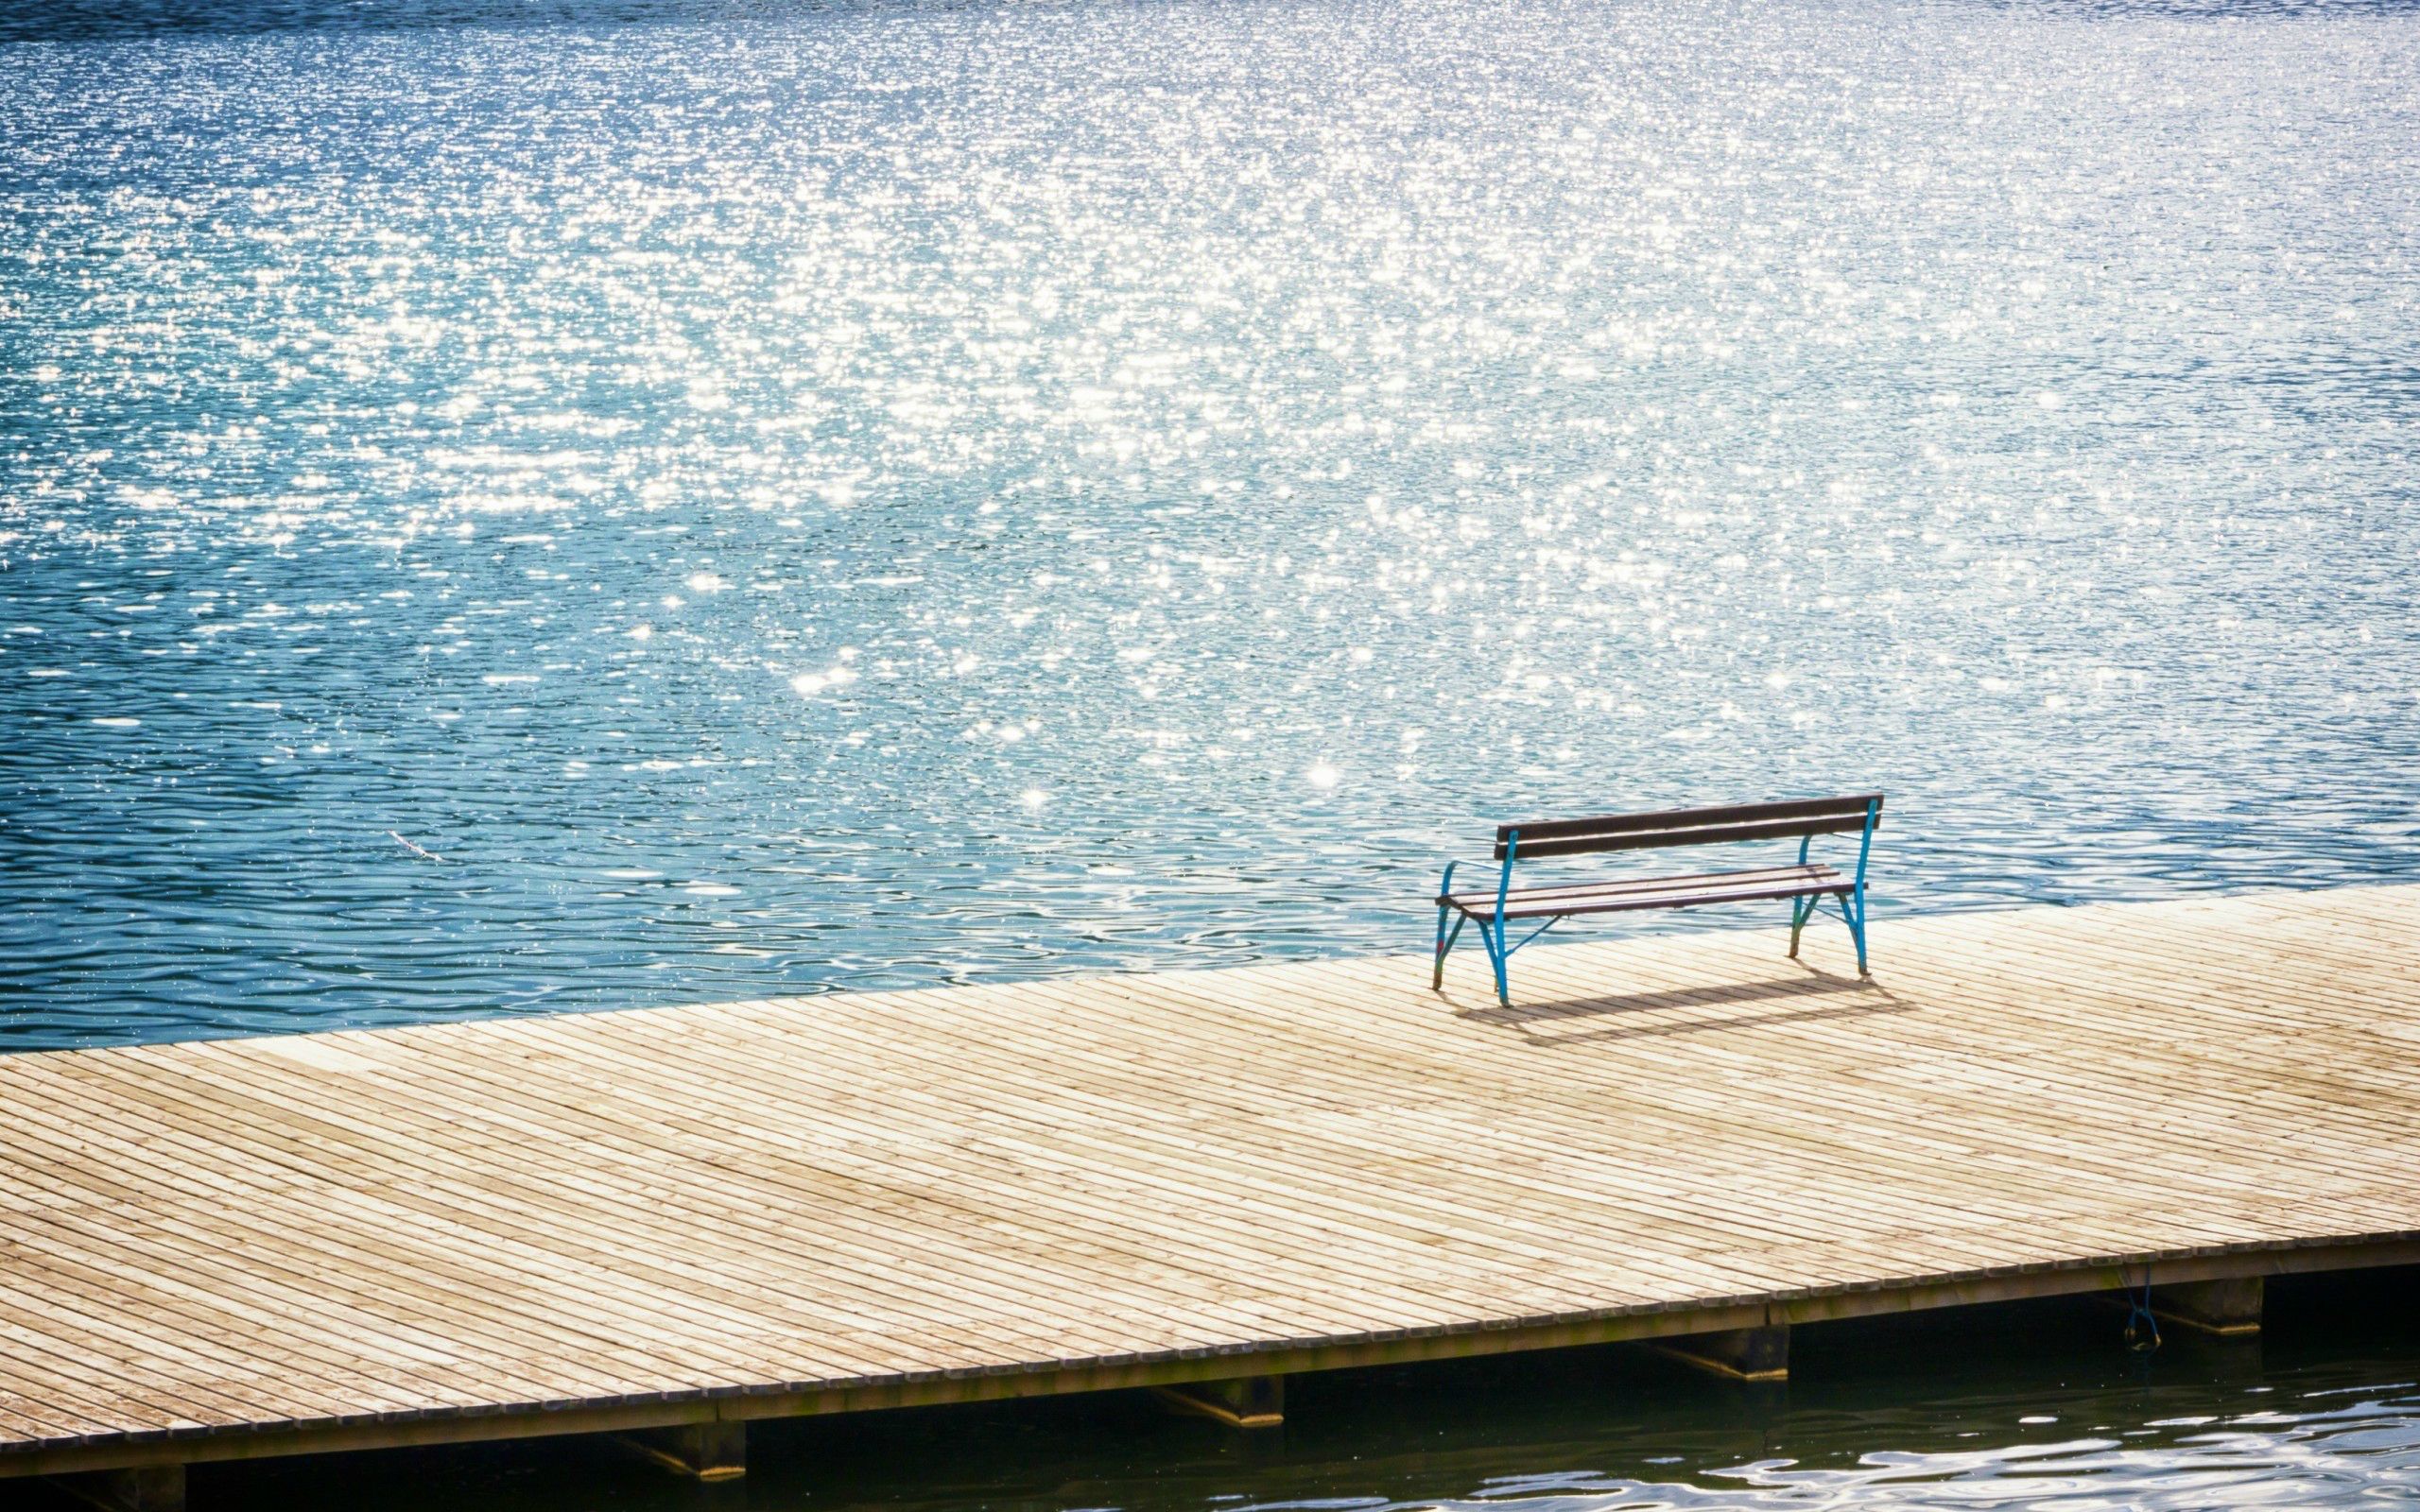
pixel 1643 832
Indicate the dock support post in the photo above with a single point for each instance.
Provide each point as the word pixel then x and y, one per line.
pixel 710 1452
pixel 1248 1402
pixel 150 1489
pixel 2230 1309
pixel 1740 1355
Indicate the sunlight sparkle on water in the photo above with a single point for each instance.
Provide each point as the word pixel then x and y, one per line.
pixel 1290 438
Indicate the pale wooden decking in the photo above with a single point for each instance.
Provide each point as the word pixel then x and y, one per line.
pixel 254 1245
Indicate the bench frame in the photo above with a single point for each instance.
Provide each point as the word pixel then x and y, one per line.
pixel 1860 813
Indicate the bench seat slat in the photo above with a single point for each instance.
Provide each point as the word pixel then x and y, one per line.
pixel 1660 883
pixel 1653 892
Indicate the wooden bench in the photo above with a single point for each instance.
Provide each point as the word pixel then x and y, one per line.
pixel 1497 909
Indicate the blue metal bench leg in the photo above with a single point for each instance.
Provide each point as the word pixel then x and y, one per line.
pixel 1864 849
pixel 1444 946
pixel 1801 909
pixel 1498 957
pixel 1444 941
pixel 1500 943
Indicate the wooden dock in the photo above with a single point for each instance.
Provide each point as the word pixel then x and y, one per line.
pixel 705 1215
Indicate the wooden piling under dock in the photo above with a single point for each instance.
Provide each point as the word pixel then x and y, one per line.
pixel 640 1221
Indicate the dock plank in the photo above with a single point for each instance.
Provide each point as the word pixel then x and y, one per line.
pixel 823 1200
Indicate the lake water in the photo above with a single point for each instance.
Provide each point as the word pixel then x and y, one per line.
pixel 520 507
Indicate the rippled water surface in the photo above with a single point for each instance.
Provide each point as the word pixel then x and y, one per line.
pixel 523 507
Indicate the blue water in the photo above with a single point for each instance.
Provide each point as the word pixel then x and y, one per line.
pixel 530 507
